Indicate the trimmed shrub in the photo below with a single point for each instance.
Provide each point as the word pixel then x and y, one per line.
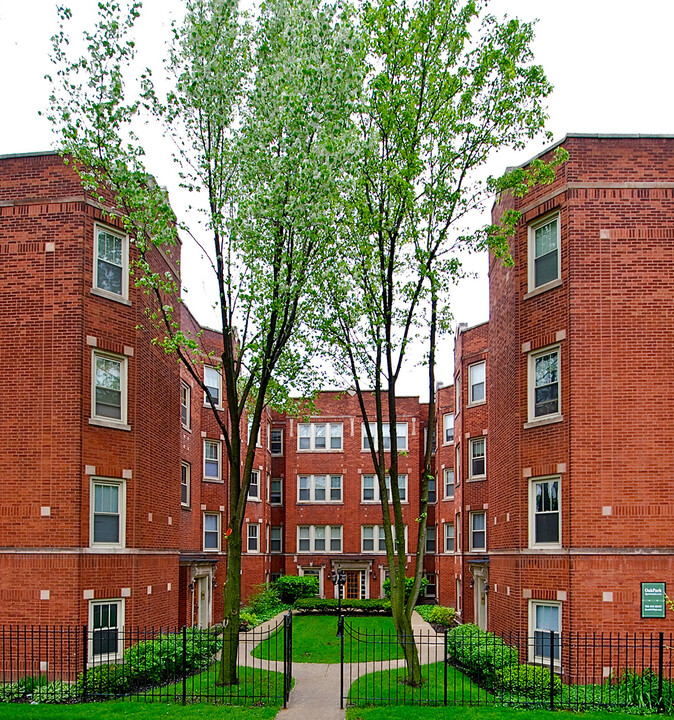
pixel 54 692
pixel 106 680
pixel 529 680
pixel 294 587
pixel 480 653
pixel 329 606
pixel 409 582
pixel 441 615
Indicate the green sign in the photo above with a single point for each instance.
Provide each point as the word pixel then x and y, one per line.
pixel 653 600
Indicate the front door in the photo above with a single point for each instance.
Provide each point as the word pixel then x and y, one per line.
pixel 352 589
pixel 481 602
pixel 203 601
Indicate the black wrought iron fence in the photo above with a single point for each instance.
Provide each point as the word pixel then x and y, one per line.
pixel 66 664
pixel 466 666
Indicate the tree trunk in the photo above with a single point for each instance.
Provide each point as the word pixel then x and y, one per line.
pixel 232 597
pixel 403 628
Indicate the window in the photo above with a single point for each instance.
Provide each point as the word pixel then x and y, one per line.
pixel 457 528
pixel 254 487
pixel 544 381
pixel 313 572
pixel 449 537
pixel 111 259
pixel 477 457
pixel 544 512
pixel 433 440
pixel 108 505
pixel 185 484
pixel 211 532
pixel 476 383
pixel 448 428
pixel 544 266
pixel 185 398
pixel 458 595
pixel 320 436
pixel 213 382
pixel 253 537
pixel 478 531
pixel 276 441
pixel 275 539
pixel 108 397
pixel 373 540
pixel 319 488
pixel 430 538
pixel 276 491
pixel 319 538
pixel 212 460
pixel 431 490
pixel 449 483
pixel 370 488
pixel 432 585
pixel 543 618
pixel 401 435
pixel 106 621
pixel 457 466
pixel 457 394
pixel 250 430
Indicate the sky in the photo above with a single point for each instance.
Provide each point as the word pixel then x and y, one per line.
pixel 610 62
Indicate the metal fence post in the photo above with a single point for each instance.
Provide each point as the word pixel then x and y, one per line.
pixel 340 632
pixel 446 664
pixel 85 652
pixel 661 670
pixel 184 663
pixel 552 669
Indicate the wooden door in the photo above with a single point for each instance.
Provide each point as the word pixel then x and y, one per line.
pixel 352 590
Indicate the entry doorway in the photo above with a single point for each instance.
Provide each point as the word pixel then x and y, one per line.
pixel 481 602
pixel 352 587
pixel 203 598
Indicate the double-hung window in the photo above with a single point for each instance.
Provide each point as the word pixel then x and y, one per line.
pixel 185 472
pixel 401 436
pixel 253 537
pixel 319 488
pixel 431 587
pixel 211 532
pixel 254 487
pixel 478 457
pixel 476 383
pixel 478 531
pixel 212 453
pixel 185 396
pixel 108 512
pixel 106 621
pixel 213 382
pixel 370 488
pixel 319 538
pixel 430 538
pixel 448 428
pixel 276 441
pixel 544 255
pixel 320 437
pixel 111 262
pixel 449 483
pixel 276 539
pixel 544 384
pixel 276 491
pixel 545 626
pixel 544 513
pixel 374 541
pixel 449 537
pixel 109 388
pixel 431 490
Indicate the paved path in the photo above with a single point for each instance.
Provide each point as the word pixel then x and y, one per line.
pixel 315 695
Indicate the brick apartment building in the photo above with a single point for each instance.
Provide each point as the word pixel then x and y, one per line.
pixel 549 507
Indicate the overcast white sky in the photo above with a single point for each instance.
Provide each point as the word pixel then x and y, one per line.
pixel 610 61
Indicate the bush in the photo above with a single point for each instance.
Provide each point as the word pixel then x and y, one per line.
pixel 11 691
pixel 529 680
pixel 265 600
pixel 106 680
pixel 54 692
pixel 294 587
pixel 409 582
pixel 441 615
pixel 642 690
pixel 479 652
pixel 329 606
pixel 248 620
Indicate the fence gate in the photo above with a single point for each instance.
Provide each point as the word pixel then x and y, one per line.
pixel 287 656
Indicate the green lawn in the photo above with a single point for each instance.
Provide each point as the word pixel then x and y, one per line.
pixel 133 711
pixel 315 641
pixel 381 688
pixel 471 713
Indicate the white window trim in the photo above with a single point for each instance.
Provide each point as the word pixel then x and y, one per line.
pixel 253 536
pixel 471 402
pixel 280 539
pixel 531 394
pixel 435 540
pixel 376 531
pixel 106 657
pixel 445 471
pixel 212 478
pixel 434 584
pixel 203 532
pixel 532 512
pixel 207 404
pixel 124 390
pixel 280 502
pixel 472 443
pixel 445 428
pixel 188 476
pixel 124 297
pixel 377 495
pixel 445 537
pixel 121 484
pixel 313 571
pixel 531 249
pixel 258 497
pixel 457 467
pixel 280 430
pixel 328 437
pixel 328 489
pixel 538 659
pixel 375 439
pixel 312 538
pixel 471 515
pixel 184 386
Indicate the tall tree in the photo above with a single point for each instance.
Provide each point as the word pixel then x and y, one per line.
pixel 446 85
pixel 259 110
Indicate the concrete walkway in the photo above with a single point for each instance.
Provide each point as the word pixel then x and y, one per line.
pixel 315 695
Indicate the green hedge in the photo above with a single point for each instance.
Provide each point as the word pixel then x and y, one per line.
pixel 481 653
pixel 529 680
pixel 328 606
pixel 409 582
pixel 293 587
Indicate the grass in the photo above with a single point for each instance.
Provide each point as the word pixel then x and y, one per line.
pixel 386 687
pixel 134 711
pixel 315 641
pixel 467 713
